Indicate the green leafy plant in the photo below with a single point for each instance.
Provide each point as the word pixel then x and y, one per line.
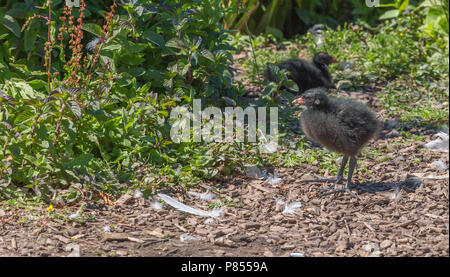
pixel 399 6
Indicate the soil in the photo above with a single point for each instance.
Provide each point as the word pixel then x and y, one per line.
pixel 412 220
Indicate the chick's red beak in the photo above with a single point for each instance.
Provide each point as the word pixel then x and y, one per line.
pixel 333 60
pixel 298 101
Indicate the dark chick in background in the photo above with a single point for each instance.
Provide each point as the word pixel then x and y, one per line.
pixel 306 75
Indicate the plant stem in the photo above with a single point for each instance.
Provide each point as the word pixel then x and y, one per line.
pixel 49 65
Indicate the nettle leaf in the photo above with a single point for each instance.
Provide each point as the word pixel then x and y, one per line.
pixel 185 69
pixel 69 128
pixel 136 47
pixel 180 24
pixel 132 59
pixel 11 24
pixel 42 131
pixel 93 29
pixel 173 68
pixel 112 47
pixel 76 109
pixel 389 14
pixel 80 160
pixel 224 54
pixel 206 57
pixel 37 84
pixel 176 43
pixel 15 150
pixel 29 39
pixel 155 156
pixel 168 83
pixel 23 117
pixel 198 41
pixel 25 90
pixel 137 71
pixel 291 84
pixel 150 9
pixel 154 38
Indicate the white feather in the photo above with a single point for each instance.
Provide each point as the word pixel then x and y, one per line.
pixel 441 144
pixel 289 208
pixel 184 208
pixel 156 205
pixel 206 196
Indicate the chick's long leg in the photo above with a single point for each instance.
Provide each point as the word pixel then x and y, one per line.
pixel 336 180
pixel 351 168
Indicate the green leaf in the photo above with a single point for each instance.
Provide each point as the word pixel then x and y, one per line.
pixel 23 117
pixel 76 109
pixel 403 6
pixel 389 14
pixel 112 47
pixel 154 38
pixel 29 39
pixel 93 29
pixel 136 48
pixel 11 24
pixel 15 150
pixel 69 128
pixel 175 43
pixel 37 84
pixel 208 55
pixel 392 5
pixel 132 59
pixel 304 15
pixel 42 131
pixel 80 160
pixel 275 32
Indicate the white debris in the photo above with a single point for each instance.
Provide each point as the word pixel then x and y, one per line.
pixel 316 31
pixel 371 77
pixel 434 177
pixel 178 170
pixel 396 195
pixel 106 229
pixel 75 215
pixel 280 202
pixel 273 179
pixel 186 237
pixel 78 213
pixel 206 196
pixel 345 65
pixel 431 176
pixel 319 40
pixel 209 220
pixel 440 144
pixel 184 208
pixel 74 249
pixel 289 208
pixel 256 172
pixel 294 254
pixel 439 164
pixel 156 205
pixel 138 194
pixel 373 249
pixel 269 148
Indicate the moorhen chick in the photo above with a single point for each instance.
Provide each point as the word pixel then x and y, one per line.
pixel 305 74
pixel 341 125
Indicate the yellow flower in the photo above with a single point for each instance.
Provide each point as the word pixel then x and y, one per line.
pixel 50 208
pixel 339 38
